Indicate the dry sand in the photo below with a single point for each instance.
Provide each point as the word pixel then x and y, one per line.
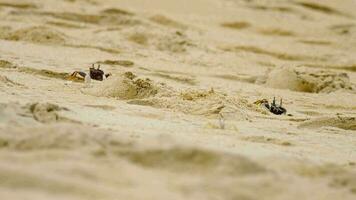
pixel 177 120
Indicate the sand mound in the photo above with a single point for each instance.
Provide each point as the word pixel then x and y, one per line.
pixel 38 34
pixel 307 80
pixel 124 86
pixel 346 123
pixel 138 91
pixel 198 102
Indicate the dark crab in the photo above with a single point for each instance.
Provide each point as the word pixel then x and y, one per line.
pixel 273 107
pixel 95 73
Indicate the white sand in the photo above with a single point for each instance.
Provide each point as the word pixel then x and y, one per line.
pixel 176 120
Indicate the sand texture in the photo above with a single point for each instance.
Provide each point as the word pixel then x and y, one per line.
pixel 177 119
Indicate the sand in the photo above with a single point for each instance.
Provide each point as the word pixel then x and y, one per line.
pixel 177 119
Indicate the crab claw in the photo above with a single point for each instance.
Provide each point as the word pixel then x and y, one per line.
pixel 280 104
pixel 274 101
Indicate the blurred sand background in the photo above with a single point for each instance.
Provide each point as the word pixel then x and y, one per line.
pixel 177 120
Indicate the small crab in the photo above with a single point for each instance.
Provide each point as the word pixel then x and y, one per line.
pixel 95 73
pixel 273 107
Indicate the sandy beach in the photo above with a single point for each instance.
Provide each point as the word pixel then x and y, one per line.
pixel 177 118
